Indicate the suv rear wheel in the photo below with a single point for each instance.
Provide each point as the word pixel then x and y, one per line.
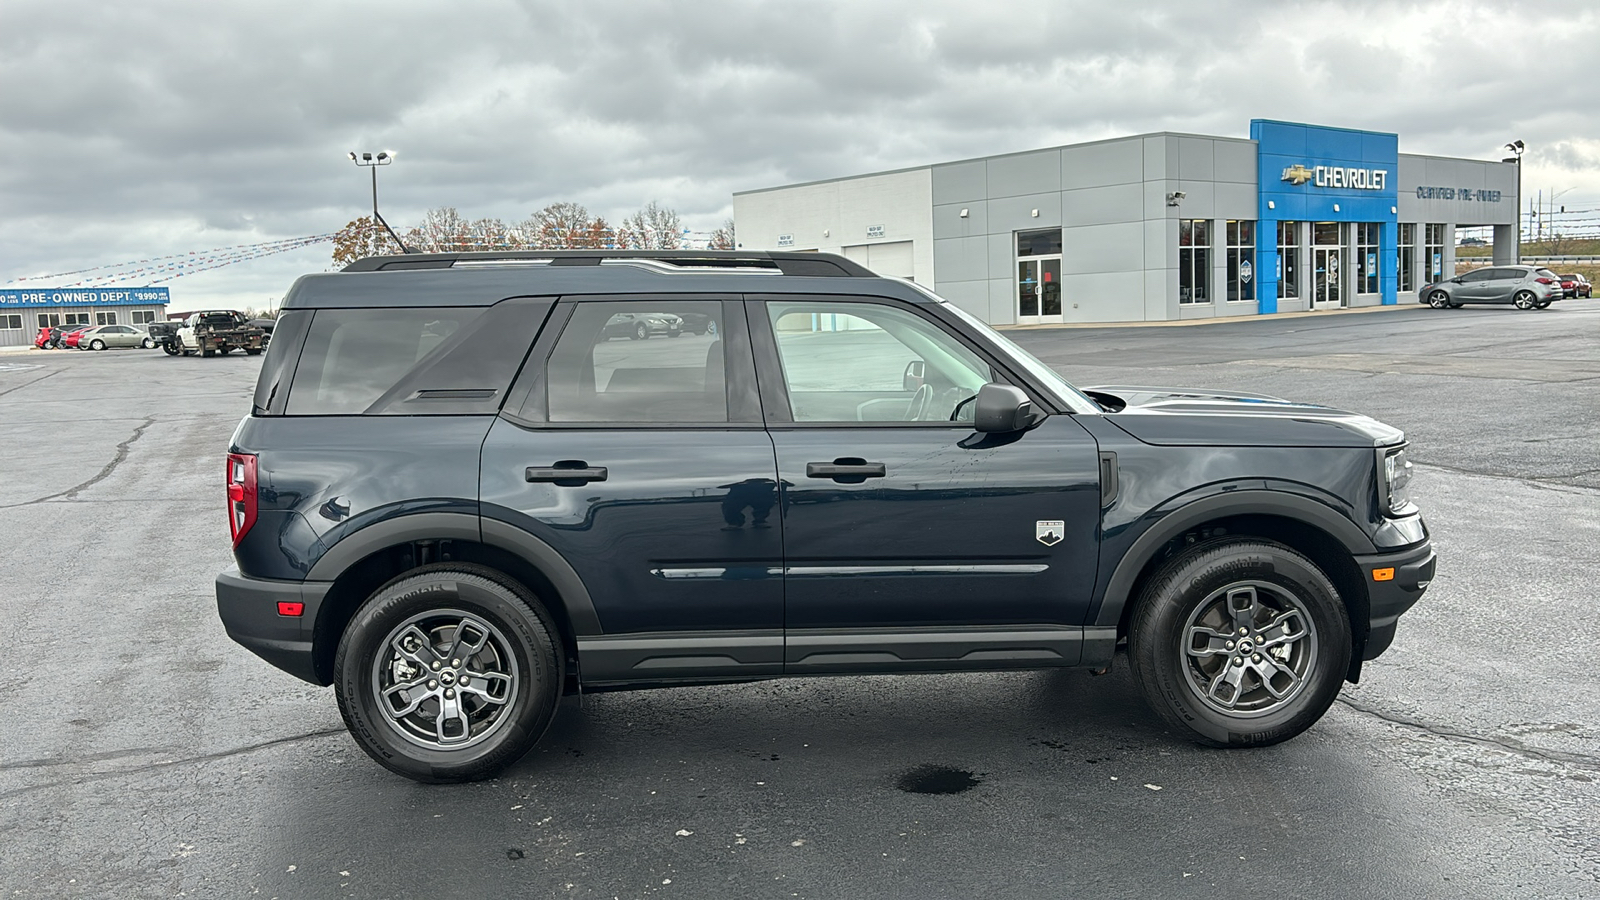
pixel 449 673
pixel 1241 642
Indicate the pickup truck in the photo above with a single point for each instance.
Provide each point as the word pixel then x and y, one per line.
pixel 218 331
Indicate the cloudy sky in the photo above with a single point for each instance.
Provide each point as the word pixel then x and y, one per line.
pixel 130 130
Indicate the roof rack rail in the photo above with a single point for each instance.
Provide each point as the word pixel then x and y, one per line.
pixel 741 262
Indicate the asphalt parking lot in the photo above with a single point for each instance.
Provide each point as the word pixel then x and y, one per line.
pixel 145 754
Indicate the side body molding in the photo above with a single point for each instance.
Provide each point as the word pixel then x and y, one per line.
pixel 1233 503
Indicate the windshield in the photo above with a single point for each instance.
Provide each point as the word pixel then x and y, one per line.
pixel 1069 396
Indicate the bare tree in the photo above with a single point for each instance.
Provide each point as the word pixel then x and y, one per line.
pixel 560 226
pixel 655 227
pixel 723 238
pixel 443 230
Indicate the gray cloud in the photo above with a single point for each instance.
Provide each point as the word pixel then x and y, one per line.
pixel 130 130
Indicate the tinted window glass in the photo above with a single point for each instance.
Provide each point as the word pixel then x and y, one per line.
pixel 1546 273
pixel 867 362
pixel 639 362
pixel 1479 275
pixel 353 356
pixel 281 356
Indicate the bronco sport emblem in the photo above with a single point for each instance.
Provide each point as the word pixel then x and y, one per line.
pixel 1049 532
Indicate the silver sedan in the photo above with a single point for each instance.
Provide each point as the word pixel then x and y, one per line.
pixel 105 337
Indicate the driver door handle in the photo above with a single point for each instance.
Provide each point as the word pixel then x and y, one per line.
pixel 567 473
pixel 849 470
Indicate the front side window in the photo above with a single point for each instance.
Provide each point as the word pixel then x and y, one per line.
pixel 1241 260
pixel 1194 261
pixel 639 362
pixel 870 362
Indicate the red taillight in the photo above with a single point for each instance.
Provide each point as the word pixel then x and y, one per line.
pixel 1544 281
pixel 241 494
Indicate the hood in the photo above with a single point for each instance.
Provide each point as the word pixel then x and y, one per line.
pixel 1178 417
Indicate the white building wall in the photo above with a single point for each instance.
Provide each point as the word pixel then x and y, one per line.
pixel 830 216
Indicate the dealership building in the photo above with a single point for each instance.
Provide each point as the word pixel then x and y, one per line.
pixel 1155 227
pixel 24 311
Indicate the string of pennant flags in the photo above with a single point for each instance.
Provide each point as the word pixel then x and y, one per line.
pixel 156 269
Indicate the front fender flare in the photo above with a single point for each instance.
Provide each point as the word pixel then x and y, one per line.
pixel 1175 522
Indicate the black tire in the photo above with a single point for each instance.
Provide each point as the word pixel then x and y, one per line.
pixel 1161 639
pixel 253 351
pixel 97 344
pixel 1456 304
pixel 206 349
pixel 1524 300
pixel 172 347
pixel 673 334
pixel 519 628
pixel 1543 304
pixel 1438 300
pixel 146 344
pixel 642 333
pixel 224 350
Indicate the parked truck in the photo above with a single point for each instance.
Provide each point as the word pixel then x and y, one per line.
pixel 216 331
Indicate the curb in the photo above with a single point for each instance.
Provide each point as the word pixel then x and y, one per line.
pixel 1216 320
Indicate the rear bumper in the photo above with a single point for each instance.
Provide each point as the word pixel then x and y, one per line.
pixel 1395 582
pixel 248 608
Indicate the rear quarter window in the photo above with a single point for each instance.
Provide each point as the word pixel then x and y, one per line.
pixel 413 361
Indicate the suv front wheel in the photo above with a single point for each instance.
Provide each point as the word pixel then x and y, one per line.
pixel 1242 643
pixel 449 673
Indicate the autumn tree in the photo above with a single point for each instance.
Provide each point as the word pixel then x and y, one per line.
pixel 723 238
pixel 359 239
pixel 560 226
pixel 655 227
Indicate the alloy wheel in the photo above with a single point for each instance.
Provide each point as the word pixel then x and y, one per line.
pixel 445 679
pixel 1249 648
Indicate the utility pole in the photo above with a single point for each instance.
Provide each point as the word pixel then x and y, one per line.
pixel 373 161
pixel 1516 147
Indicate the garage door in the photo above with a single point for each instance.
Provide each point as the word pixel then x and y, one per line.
pixel 886 259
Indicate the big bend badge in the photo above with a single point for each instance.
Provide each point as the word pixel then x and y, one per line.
pixel 1049 532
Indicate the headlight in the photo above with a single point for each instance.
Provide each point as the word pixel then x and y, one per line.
pixel 1396 471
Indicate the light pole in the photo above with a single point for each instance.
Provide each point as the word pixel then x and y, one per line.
pixel 373 161
pixel 1516 147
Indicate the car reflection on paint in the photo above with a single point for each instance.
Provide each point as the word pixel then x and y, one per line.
pixel 640 326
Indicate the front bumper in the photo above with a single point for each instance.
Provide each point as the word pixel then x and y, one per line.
pixel 1395 582
pixel 248 608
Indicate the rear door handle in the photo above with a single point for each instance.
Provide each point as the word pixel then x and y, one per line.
pixel 847 470
pixel 567 473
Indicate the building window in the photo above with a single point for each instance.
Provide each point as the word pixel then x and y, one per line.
pixel 1194 261
pixel 1289 260
pixel 49 320
pixel 105 318
pixel 143 316
pixel 1367 257
pixel 1408 256
pixel 77 318
pixel 11 322
pixel 1433 250
pixel 1241 259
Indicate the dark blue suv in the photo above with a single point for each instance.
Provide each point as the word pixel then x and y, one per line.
pixel 456 499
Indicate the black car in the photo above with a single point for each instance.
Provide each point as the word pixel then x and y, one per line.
pixel 454 501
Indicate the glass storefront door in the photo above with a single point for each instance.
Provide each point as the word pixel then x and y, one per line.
pixel 1327 254
pixel 1039 291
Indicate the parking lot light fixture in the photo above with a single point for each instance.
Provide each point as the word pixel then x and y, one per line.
pixel 368 160
pixel 1516 148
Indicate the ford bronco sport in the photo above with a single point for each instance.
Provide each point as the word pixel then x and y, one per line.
pixel 455 500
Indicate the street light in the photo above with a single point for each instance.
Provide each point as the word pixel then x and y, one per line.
pixel 373 161
pixel 1516 147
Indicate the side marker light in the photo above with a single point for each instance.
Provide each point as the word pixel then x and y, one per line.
pixel 1377 575
pixel 286 608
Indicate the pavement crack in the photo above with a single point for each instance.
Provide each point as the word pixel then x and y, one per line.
pixel 1510 745
pixel 149 767
pixel 29 383
pixel 102 475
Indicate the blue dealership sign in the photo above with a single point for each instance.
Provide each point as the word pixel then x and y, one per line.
pixel 141 296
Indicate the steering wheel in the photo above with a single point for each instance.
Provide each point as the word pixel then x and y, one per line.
pixel 918 407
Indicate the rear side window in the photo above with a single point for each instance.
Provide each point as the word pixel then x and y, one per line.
pixel 413 361
pixel 640 362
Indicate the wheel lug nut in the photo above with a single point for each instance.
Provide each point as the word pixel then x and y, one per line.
pixel 433 684
pixel 449 693
pixel 455 663
pixel 435 665
pixel 1244 631
pixel 1237 661
pixel 1256 658
pixel 465 681
pixel 1230 645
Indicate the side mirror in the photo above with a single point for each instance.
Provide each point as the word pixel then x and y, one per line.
pixel 1002 409
pixel 915 374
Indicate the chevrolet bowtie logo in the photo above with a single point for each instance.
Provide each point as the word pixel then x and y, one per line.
pixel 1297 174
